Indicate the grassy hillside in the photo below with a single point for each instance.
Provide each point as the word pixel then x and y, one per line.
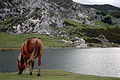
pixel 16 41
pixel 90 33
pixel 73 29
pixel 116 14
pixel 52 75
pixel 105 7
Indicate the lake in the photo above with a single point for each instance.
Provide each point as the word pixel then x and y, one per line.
pixel 94 61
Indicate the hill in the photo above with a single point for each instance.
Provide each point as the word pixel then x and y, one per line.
pixel 21 16
pixel 59 18
pixel 105 7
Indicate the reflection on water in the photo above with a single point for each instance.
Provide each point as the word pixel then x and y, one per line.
pixel 95 61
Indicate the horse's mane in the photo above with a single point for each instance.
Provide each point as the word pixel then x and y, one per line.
pixel 21 58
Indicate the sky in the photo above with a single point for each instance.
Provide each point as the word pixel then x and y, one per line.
pixel 112 2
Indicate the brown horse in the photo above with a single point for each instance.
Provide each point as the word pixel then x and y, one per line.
pixel 31 49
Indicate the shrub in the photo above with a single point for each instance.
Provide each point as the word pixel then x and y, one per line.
pixel 103 13
pixel 98 13
pixel 108 20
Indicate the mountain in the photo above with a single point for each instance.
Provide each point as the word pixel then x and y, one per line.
pixel 105 7
pixel 23 16
pixel 63 18
pixel 114 11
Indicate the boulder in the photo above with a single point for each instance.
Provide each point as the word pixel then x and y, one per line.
pixel 80 43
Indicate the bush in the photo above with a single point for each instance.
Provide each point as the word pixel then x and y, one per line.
pixel 108 20
pixel 103 13
pixel 98 13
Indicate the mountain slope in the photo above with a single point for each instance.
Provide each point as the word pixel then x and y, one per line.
pixel 105 7
pixel 39 15
pixel 61 18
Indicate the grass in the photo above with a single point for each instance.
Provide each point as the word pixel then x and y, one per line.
pixel 73 28
pixel 52 75
pixel 100 24
pixel 16 41
pixel 71 22
pixel 89 32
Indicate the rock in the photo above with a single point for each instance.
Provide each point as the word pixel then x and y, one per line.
pixel 65 41
pixel 103 39
pixel 45 32
pixel 77 38
pixel 32 12
pixel 68 42
pixel 80 43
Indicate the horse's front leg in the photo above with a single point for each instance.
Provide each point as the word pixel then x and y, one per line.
pixel 27 67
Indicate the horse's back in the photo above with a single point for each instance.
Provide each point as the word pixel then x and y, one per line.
pixel 31 43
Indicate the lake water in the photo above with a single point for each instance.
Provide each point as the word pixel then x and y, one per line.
pixel 94 61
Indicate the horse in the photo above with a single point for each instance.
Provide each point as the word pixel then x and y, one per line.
pixel 30 50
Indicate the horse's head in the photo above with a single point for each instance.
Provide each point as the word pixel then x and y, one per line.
pixel 20 63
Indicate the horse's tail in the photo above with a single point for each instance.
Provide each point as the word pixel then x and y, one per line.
pixel 36 51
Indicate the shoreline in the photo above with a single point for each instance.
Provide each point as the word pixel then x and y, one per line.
pixel 6 49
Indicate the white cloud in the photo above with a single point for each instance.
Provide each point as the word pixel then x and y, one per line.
pixel 112 2
pixel 116 3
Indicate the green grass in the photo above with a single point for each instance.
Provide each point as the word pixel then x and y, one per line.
pixel 89 32
pixel 100 24
pixel 52 75
pixel 16 41
pixel 71 22
pixel 73 28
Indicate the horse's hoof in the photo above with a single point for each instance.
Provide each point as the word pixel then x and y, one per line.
pixel 38 74
pixel 30 73
pixel 19 73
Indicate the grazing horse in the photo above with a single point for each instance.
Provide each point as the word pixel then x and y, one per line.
pixel 30 50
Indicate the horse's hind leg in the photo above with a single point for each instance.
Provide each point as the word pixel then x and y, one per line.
pixel 40 58
pixel 39 65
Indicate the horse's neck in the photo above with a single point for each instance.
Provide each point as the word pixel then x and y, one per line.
pixel 26 47
pixel 24 51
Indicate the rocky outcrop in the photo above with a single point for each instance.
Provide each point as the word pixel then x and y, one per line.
pixel 42 14
pixel 79 43
pixel 103 39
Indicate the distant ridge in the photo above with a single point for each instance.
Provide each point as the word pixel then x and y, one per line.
pixel 104 7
